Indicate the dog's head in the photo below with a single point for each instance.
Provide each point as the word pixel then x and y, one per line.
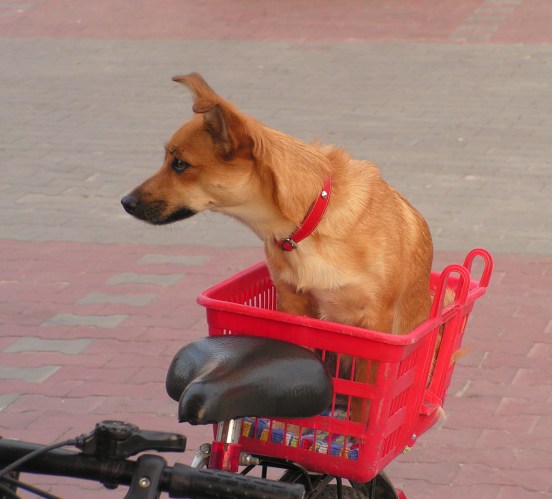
pixel 208 161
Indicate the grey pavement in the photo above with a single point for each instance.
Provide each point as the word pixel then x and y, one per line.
pixel 464 131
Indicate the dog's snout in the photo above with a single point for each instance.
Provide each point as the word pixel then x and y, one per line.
pixel 130 202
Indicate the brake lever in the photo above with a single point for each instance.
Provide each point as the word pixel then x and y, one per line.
pixel 120 440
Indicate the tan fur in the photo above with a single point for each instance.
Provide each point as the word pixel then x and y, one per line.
pixel 367 263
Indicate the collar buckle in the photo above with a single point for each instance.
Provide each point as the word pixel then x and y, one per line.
pixel 311 220
pixel 287 244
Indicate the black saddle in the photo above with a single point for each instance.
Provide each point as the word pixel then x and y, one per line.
pixel 226 377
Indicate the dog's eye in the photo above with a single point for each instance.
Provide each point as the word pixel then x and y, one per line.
pixel 179 165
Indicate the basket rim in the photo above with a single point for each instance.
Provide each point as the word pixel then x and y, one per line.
pixel 206 300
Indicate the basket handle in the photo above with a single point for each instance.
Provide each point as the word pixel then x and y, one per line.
pixel 461 292
pixel 488 268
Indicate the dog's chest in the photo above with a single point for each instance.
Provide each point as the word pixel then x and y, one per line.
pixel 347 305
pixel 306 273
pixel 339 292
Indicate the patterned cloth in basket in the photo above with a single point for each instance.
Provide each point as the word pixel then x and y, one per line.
pixel 309 439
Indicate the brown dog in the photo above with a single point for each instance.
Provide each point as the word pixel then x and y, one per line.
pixel 341 244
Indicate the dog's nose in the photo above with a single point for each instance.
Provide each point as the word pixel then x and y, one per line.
pixel 130 202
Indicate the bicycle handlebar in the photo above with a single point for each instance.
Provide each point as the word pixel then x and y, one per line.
pixel 209 484
pixel 147 475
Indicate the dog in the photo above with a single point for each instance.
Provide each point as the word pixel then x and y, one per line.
pixel 341 244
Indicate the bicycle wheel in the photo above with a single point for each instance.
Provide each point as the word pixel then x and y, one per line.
pixel 380 487
pixel 330 492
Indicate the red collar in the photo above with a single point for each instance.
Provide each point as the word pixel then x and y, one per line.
pixel 311 220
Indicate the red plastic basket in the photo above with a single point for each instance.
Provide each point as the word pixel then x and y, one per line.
pixel 401 400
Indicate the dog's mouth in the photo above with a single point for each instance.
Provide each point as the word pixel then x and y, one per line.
pixel 154 212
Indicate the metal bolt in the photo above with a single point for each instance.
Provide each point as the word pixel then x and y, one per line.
pixel 248 460
pixel 205 449
pixel 324 194
pixel 144 482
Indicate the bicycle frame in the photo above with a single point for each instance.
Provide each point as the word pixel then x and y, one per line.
pixel 225 454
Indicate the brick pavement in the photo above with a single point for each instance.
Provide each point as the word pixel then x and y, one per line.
pixel 451 98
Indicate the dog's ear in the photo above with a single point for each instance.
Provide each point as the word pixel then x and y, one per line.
pixel 222 120
pixel 219 127
pixel 204 96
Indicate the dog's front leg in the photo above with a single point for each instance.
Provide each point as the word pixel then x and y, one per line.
pixel 294 302
pixel 366 370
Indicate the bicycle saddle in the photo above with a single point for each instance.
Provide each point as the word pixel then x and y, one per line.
pixel 226 377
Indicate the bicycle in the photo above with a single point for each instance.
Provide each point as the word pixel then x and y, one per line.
pixel 104 458
pixel 264 379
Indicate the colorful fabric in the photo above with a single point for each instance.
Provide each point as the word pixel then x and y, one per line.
pixel 310 439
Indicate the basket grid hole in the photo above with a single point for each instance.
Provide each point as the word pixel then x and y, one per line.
pixel 407 364
pixel 398 402
pixel 260 295
pixel 343 366
pixel 390 442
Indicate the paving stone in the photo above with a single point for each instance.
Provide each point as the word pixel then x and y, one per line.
pixel 155 279
pixel 503 2
pixel 508 492
pixel 173 259
pixel 133 300
pixel 541 351
pixel 30 374
pixel 532 377
pixel 6 399
pixel 30 344
pixel 535 480
pixel 73 405
pixel 120 372
pixel 69 319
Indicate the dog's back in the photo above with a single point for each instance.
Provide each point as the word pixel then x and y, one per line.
pixel 369 262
